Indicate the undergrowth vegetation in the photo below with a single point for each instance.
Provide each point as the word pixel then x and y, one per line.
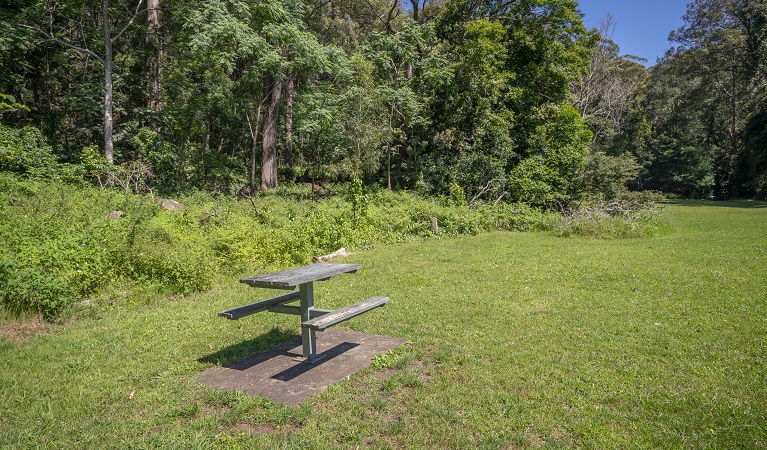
pixel 59 245
pixel 628 215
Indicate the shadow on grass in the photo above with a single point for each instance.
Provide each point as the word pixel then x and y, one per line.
pixel 238 351
pixel 746 204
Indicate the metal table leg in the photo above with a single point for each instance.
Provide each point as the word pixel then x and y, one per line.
pixel 307 334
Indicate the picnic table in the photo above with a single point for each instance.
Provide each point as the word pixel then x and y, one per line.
pixel 312 319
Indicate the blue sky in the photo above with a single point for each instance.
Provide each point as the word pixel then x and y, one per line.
pixel 641 27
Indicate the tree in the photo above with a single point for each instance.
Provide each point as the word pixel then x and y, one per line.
pixel 153 59
pixel 394 57
pixel 14 43
pixel 242 56
pixel 217 94
pixel 269 162
pixel 343 124
pixel 502 112
pixel 298 54
pixel 348 24
pixel 722 46
pixel 604 96
pixel 53 30
pixel 423 11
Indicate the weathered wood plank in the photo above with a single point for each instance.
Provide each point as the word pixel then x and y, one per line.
pixel 242 311
pixel 289 279
pixel 340 315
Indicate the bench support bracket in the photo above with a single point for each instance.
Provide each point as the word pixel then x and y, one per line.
pixel 296 311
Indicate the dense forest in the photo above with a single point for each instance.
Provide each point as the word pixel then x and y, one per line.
pixel 513 101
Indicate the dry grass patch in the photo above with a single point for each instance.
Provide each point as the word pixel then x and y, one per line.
pixel 24 328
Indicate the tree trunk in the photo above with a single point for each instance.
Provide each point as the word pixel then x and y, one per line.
pixel 388 168
pixel 253 127
pixel 289 90
pixel 109 152
pixel 415 4
pixel 154 55
pixel 269 135
pixel 734 114
pixel 388 151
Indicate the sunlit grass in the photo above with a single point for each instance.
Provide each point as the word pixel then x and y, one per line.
pixel 517 340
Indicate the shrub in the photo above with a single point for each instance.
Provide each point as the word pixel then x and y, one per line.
pixel 457 195
pixel 33 289
pixel 26 151
pixel 170 249
pixel 69 251
pixel 518 217
pixel 607 175
pixel 72 250
pixel 358 199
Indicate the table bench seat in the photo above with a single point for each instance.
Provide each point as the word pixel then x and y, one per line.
pixel 340 315
pixel 242 311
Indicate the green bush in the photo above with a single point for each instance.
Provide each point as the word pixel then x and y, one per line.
pixel 69 248
pixel 457 195
pixel 172 252
pixel 33 289
pixel 608 175
pixel 72 250
pixel 26 151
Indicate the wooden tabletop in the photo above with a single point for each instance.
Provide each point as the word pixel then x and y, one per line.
pixel 289 279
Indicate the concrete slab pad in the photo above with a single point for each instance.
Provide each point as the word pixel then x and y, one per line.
pixel 277 374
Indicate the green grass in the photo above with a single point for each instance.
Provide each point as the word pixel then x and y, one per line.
pixel 517 340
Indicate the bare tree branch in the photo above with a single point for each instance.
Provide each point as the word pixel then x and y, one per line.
pixel 132 19
pixel 488 187
pixel 386 22
pixel 53 38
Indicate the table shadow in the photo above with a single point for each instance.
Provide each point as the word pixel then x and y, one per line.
pixel 306 365
pixel 236 352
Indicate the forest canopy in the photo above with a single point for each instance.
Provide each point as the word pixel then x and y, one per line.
pixel 503 100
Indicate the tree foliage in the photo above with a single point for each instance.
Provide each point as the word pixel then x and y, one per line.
pixel 695 120
pixel 709 93
pixel 508 101
pixel 219 95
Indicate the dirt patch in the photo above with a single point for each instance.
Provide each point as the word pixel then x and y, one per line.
pixel 424 369
pixel 383 374
pixel 20 330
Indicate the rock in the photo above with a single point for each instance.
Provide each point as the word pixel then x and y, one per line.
pixel 115 214
pixel 170 205
pixel 336 254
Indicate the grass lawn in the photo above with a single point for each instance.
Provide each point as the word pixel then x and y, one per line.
pixel 517 340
